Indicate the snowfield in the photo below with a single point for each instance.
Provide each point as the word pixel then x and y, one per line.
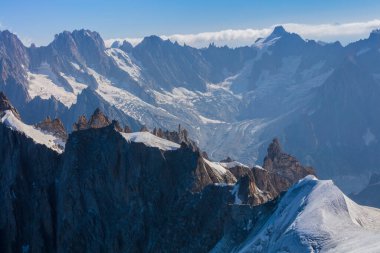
pixel 232 164
pixel 150 140
pixel 38 136
pixel 315 216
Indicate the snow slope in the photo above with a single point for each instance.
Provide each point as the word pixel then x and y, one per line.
pixel 219 169
pixel 150 140
pixel 124 62
pixel 315 216
pixel 228 118
pixel 44 84
pixel 38 136
pixel 232 164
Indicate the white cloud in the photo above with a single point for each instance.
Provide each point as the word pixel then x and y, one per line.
pixel 329 32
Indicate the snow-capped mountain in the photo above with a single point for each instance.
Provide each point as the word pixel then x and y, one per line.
pixel 315 216
pixel 232 101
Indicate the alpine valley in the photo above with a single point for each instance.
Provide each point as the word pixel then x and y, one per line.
pixel 162 147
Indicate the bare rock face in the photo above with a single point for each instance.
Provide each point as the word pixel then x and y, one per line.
pixel 13 55
pixel 285 165
pixel 227 160
pixel 137 198
pixel 27 194
pixel 81 124
pixel 127 129
pixel 258 185
pixel 180 136
pixel 117 126
pixel 54 127
pixel 6 105
pixel 98 120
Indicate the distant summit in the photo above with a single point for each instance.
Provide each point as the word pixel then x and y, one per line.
pixel 279 30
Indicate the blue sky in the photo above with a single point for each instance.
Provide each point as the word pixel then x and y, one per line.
pixel 37 21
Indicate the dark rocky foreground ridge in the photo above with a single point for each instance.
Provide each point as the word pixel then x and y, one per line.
pixel 105 194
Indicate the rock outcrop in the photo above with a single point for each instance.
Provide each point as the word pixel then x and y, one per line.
pixel 98 120
pixel 81 124
pixel 6 105
pixel 258 185
pixel 54 127
pixel 284 164
pixel 180 136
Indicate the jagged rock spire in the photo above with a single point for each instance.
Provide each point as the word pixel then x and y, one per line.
pixel 98 120
pixel 81 124
pixel 284 164
pixel 127 129
pixel 54 127
pixel 274 149
pixel 116 126
pixel 6 105
pixel 227 160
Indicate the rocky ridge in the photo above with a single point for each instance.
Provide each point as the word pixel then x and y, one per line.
pixel 6 105
pixel 54 127
pixel 105 194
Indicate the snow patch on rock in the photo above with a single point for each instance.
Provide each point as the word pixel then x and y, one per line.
pixel 38 136
pixel 232 164
pixel 150 140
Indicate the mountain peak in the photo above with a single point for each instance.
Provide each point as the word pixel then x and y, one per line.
pixel 78 33
pixel 126 46
pixel 274 149
pixel 79 38
pixel 152 39
pixel 375 34
pixel 277 33
pixel 279 30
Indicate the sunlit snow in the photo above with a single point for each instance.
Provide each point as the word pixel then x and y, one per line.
pixel 38 136
pixel 150 140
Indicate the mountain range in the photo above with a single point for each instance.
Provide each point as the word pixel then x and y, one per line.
pixel 106 188
pixel 319 99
